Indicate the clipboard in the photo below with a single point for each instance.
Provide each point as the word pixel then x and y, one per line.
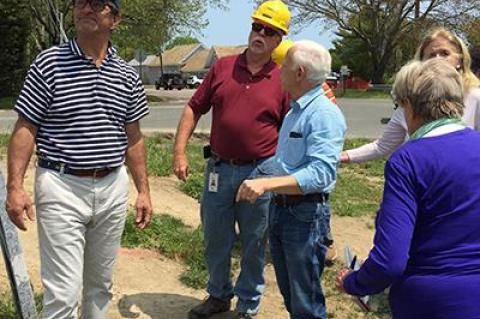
pixel 352 263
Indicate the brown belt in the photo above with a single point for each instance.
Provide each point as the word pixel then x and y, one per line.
pixel 236 162
pixel 292 200
pixel 63 168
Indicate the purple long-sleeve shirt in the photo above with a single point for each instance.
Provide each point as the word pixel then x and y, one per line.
pixel 427 240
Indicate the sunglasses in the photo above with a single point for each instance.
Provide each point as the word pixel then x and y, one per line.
pixel 269 32
pixel 96 5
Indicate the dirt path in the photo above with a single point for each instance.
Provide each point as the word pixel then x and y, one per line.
pixel 146 283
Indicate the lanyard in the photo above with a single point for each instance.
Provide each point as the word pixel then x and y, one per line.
pixel 430 126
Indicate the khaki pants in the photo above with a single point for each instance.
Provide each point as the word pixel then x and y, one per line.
pixel 80 223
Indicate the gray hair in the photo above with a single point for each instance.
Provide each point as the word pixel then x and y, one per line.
pixel 433 88
pixel 314 58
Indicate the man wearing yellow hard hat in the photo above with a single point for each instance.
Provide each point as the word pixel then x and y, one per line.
pixel 278 56
pixel 248 106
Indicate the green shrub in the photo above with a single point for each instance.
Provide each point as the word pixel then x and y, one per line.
pixel 173 239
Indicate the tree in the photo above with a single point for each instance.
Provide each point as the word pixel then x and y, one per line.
pixel 147 24
pixel 473 33
pixel 182 40
pixel 381 25
pixel 52 22
pixel 14 32
pixel 350 51
pixel 151 24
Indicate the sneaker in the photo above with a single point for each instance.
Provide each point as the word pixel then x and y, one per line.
pixel 244 316
pixel 331 255
pixel 209 307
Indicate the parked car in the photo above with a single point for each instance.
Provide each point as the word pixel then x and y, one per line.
pixel 170 81
pixel 194 82
pixel 332 80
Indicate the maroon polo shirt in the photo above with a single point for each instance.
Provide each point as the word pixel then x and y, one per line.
pixel 247 110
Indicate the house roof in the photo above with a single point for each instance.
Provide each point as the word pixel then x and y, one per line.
pixel 198 62
pixel 133 62
pixel 151 60
pixel 221 51
pixel 179 54
pixel 176 56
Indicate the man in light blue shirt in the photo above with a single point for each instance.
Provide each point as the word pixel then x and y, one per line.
pixel 304 173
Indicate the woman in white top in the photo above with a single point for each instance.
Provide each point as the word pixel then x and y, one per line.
pixel 439 43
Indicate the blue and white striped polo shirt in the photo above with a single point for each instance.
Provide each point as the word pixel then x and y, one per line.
pixel 80 109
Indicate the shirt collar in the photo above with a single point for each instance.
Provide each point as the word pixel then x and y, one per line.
pixel 111 51
pixel 266 71
pixel 308 97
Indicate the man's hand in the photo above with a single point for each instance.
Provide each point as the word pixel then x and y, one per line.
pixel 341 275
pixel 180 166
pixel 19 207
pixel 144 210
pixel 251 189
pixel 344 158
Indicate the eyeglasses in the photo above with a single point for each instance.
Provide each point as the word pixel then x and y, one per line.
pixel 269 32
pixel 96 5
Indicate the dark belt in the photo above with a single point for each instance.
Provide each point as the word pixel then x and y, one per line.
pixel 65 169
pixel 237 162
pixel 291 200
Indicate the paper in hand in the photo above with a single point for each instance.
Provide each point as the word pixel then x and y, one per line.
pixel 352 263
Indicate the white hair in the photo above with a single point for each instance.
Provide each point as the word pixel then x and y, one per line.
pixel 433 87
pixel 314 58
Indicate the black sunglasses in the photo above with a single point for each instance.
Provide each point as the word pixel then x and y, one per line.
pixel 96 5
pixel 269 32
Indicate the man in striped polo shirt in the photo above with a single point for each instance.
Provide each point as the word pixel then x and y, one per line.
pixel 81 105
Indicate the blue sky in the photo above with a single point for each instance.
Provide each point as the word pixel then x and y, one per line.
pixel 232 27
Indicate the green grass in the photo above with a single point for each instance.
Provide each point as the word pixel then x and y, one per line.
pixel 359 186
pixel 6 103
pixel 160 156
pixel 361 94
pixel 173 239
pixel 4 139
pixel 8 309
pixel 345 308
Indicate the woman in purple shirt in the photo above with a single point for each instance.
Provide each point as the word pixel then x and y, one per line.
pixel 427 240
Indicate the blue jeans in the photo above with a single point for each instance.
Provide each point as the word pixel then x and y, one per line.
pixel 298 254
pixel 270 168
pixel 219 213
pixel 328 237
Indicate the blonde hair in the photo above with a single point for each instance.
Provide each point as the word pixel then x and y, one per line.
pixel 469 79
pixel 433 87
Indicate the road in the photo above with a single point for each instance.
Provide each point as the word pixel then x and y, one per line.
pixel 363 117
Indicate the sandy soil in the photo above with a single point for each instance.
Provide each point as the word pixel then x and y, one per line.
pixel 146 283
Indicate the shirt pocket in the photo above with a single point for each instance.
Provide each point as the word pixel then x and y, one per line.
pixel 296 149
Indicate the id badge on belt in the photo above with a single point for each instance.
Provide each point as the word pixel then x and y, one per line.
pixel 213 182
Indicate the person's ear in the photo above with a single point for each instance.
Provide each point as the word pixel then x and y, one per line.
pixel 300 73
pixel 116 21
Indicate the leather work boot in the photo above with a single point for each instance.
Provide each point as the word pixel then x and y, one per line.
pixel 209 307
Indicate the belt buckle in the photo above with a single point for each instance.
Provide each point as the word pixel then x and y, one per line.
pixel 100 171
pixel 60 167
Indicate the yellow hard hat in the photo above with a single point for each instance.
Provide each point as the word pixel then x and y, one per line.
pixel 280 52
pixel 274 13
